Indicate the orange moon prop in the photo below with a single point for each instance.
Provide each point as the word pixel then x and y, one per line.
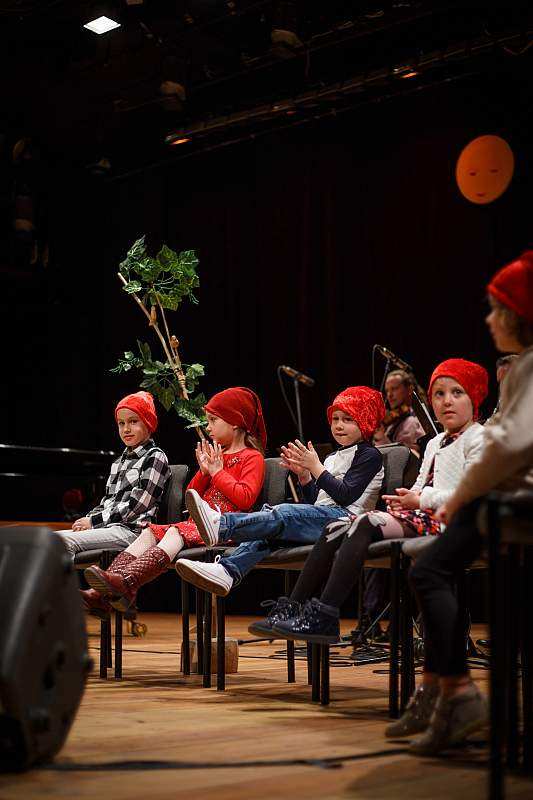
pixel 484 169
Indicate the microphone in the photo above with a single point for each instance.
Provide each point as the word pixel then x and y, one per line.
pixel 298 376
pixel 392 357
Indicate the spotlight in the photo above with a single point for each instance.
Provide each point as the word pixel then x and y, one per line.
pixel 102 25
pixel 183 140
pixel 406 71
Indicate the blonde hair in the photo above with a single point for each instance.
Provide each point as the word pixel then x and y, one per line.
pixel 518 327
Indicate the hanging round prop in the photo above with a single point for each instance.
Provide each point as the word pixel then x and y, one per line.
pixel 484 169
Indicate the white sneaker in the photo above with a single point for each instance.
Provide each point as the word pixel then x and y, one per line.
pixel 206 518
pixel 213 578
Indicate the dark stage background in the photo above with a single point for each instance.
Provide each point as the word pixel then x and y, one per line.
pixel 314 244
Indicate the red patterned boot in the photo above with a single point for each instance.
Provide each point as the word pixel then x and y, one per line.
pixel 97 604
pixel 123 587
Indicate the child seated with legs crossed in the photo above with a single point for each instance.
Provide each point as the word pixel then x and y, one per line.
pixel 456 389
pixel 134 487
pixel 230 476
pixel 347 483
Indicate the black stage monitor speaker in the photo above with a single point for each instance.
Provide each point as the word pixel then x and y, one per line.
pixel 43 646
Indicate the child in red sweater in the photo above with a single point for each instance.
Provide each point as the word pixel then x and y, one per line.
pixel 230 476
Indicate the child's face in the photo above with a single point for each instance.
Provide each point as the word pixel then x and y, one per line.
pixel 131 428
pixel 504 341
pixel 451 404
pixel 344 429
pixel 220 431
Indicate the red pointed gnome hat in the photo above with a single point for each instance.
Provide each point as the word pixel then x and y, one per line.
pixel 142 403
pixel 363 404
pixel 513 286
pixel 242 407
pixel 473 378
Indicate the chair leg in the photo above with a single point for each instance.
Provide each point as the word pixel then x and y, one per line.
pixel 200 601
pixel 394 631
pixel 207 639
pixel 513 634
pixel 324 674
pixel 406 633
pixel 309 650
pixel 315 673
pixel 497 656
pixel 104 633
pixel 221 644
pixel 118 645
pixel 527 657
pixel 185 633
pixel 291 665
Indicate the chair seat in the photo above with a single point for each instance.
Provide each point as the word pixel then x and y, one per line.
pixel 88 557
pixel 414 547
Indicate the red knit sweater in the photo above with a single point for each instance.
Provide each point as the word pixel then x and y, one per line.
pixel 235 488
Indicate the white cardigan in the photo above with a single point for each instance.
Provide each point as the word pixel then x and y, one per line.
pixel 450 464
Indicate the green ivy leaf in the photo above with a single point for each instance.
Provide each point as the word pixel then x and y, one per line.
pixel 138 249
pixel 167 398
pixel 144 350
pixel 133 287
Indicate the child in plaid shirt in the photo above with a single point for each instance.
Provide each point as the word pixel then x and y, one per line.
pixel 135 485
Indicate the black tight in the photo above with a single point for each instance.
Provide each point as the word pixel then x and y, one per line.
pixel 336 560
pixel 433 578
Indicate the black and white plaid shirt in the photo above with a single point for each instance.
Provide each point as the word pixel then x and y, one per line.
pixel 134 488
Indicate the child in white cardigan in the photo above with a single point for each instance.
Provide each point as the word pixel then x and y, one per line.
pixel 447 707
pixel 456 390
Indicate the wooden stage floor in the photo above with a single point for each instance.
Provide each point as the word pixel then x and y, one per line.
pixel 239 744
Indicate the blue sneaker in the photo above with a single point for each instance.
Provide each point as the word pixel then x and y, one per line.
pixel 281 609
pixel 317 623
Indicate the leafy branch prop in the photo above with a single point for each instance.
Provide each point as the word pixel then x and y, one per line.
pixel 157 284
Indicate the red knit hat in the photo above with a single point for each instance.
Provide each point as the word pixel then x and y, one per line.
pixel 242 407
pixel 513 286
pixel 363 404
pixel 473 378
pixel 143 405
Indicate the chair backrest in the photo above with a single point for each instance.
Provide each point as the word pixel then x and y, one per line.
pixel 274 489
pixel 398 463
pixel 172 501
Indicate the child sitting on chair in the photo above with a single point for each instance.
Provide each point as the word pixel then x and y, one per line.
pixel 456 389
pixel 347 483
pixel 230 475
pixel 135 485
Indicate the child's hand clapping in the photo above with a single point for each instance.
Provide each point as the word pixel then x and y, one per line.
pixel 201 455
pixel 215 460
pixel 403 499
pixel 302 460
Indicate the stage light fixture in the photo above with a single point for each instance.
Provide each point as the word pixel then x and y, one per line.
pixel 101 25
pixel 183 140
pixel 405 71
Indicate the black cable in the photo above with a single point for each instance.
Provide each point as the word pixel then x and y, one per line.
pixel 328 762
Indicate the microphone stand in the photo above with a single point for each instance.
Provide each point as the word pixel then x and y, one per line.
pixel 299 424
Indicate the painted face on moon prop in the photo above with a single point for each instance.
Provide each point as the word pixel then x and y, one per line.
pixel 484 169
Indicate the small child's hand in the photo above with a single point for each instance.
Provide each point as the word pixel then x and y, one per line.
pixel 215 460
pixel 82 524
pixel 404 498
pixel 305 457
pixel 303 474
pixel 201 456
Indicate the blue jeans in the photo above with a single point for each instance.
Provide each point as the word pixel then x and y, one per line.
pixel 258 533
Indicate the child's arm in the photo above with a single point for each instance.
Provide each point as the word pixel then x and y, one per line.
pixel 508 446
pixel 142 497
pixel 364 467
pixel 244 490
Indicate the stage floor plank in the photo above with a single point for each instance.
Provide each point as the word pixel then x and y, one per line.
pixel 156 715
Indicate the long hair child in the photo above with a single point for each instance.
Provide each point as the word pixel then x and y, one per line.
pixel 456 389
pixel 230 476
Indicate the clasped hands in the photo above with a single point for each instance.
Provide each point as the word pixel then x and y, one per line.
pixel 209 457
pixel 408 500
pixel 82 524
pixel 302 460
